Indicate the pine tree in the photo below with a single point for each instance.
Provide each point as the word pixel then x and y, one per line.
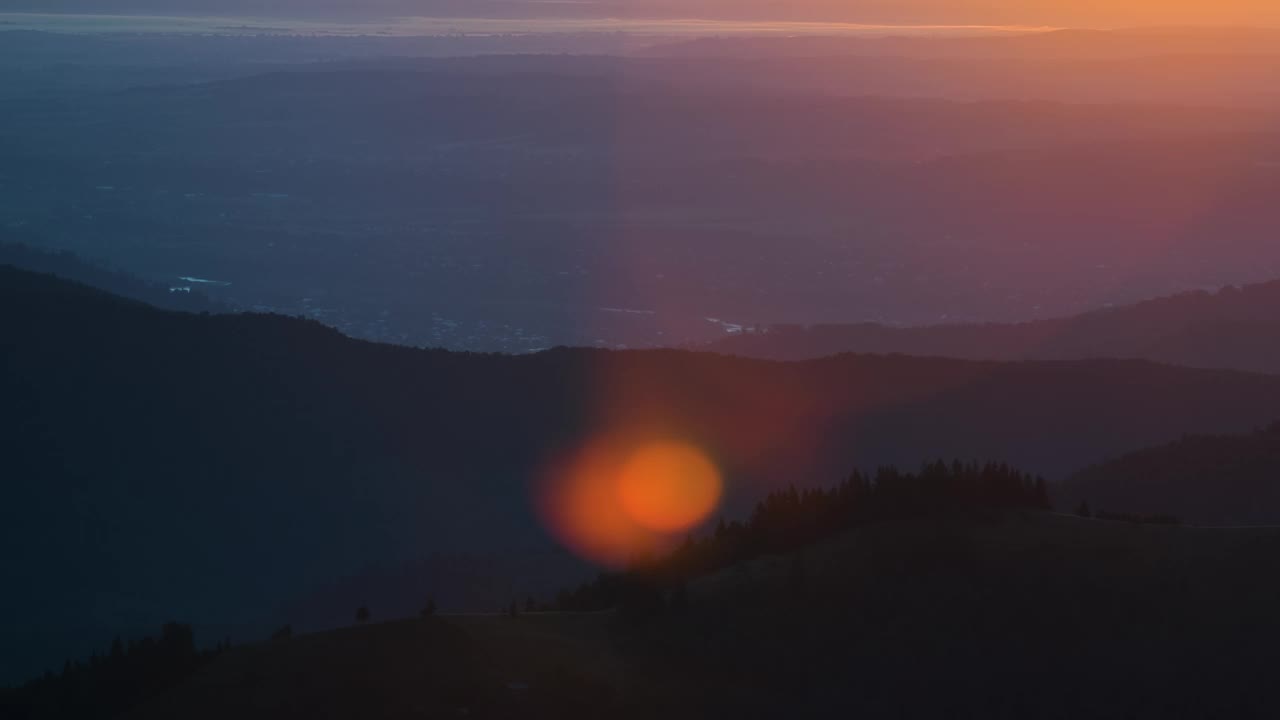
pixel 1042 494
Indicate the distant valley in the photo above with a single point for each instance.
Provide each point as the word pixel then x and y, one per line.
pixel 514 202
pixel 1235 328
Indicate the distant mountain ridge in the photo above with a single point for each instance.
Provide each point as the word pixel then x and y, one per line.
pixel 1127 43
pixel 139 439
pixel 1233 328
pixel 1224 479
pixel 69 266
pixel 812 206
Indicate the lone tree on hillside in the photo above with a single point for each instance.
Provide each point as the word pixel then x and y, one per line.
pixel 362 615
pixel 428 610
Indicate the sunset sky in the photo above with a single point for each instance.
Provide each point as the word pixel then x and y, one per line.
pixel 1061 13
pixel 1106 13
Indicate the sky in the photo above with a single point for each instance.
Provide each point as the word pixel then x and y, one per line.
pixel 1057 13
pixel 1060 13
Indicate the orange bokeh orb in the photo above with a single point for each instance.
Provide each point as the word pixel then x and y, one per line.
pixel 668 487
pixel 615 501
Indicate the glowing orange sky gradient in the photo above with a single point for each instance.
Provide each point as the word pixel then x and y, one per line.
pixel 1026 13
pixel 1059 13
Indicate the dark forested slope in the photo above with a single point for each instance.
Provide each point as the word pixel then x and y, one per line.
pixel 216 468
pixel 1017 615
pixel 1227 479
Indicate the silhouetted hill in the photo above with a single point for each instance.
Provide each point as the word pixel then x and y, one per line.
pixel 1014 615
pixel 1236 328
pixel 790 520
pixel 68 266
pixel 218 468
pixel 441 667
pixel 1218 479
pixel 108 684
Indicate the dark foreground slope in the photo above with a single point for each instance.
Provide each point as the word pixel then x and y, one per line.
pixel 1021 616
pixel 495 666
pixel 1224 479
pixel 989 615
pixel 222 470
pixel 1235 328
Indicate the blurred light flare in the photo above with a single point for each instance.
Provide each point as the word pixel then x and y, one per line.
pixel 661 415
pixel 617 500
pixel 668 487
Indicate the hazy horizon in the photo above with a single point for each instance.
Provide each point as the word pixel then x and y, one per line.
pixel 415 26
pixel 905 13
